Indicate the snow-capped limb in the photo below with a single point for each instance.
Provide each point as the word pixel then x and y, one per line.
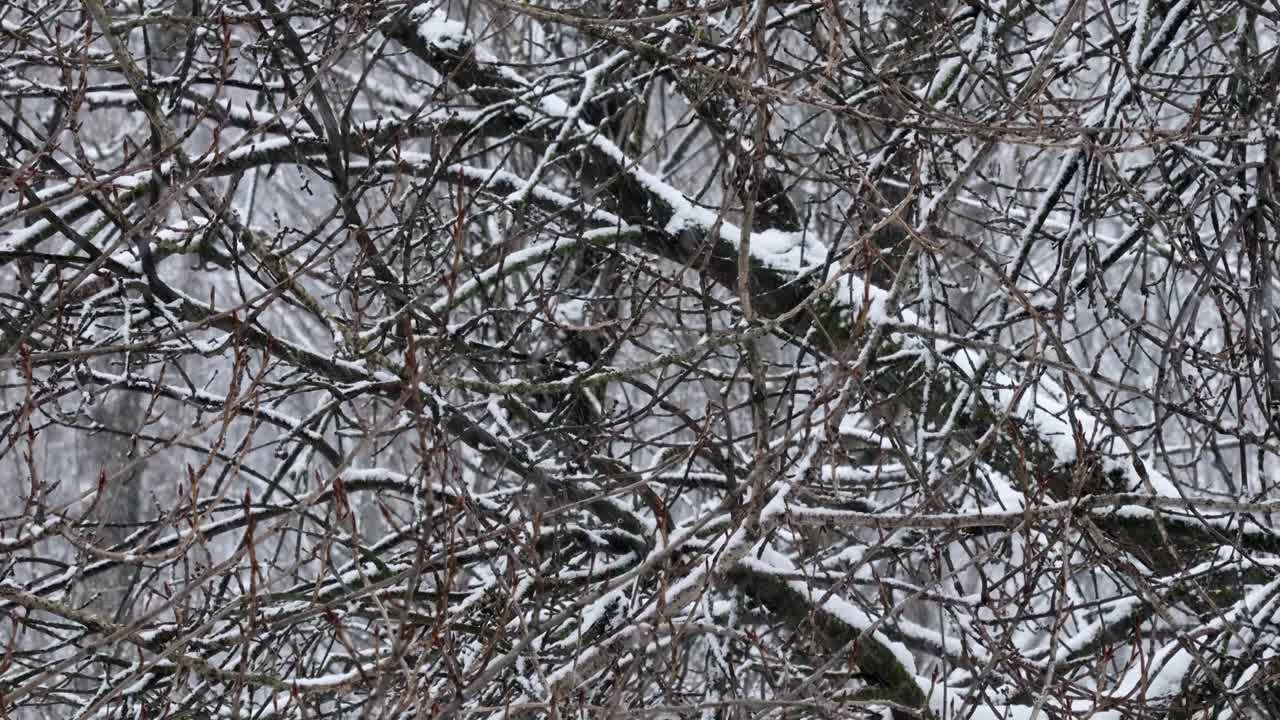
pixel 1126 504
pixel 27 535
pixel 224 112
pixel 840 627
pixel 725 553
pixel 82 198
pixel 775 211
pixel 782 262
pixel 1170 673
pixel 1192 521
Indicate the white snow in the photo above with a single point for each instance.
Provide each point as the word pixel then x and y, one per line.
pixel 435 28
